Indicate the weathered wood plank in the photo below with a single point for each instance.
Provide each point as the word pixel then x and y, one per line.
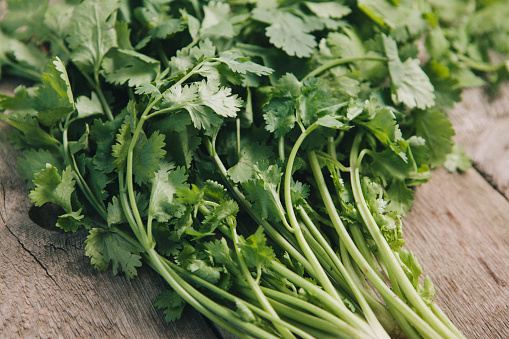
pixel 459 231
pixel 48 289
pixel 481 122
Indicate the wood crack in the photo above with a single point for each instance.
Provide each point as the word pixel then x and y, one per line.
pixel 488 178
pixel 31 254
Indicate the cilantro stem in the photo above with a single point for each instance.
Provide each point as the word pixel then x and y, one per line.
pixel 379 284
pixel 198 300
pixel 392 264
pixel 321 275
pixel 24 72
pixel 368 312
pixel 255 287
pixel 338 308
pixel 98 206
pixel 228 296
pixel 341 61
pixel 347 330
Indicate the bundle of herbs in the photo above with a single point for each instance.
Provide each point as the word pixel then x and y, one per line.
pixel 258 155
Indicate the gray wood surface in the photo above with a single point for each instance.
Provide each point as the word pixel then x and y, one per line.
pixel 458 228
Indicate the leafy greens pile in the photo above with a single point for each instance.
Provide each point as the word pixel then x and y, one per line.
pixel 258 154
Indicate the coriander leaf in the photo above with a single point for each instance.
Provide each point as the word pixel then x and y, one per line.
pixel 186 58
pixel 255 249
pixel 172 305
pixel 215 21
pixel 121 148
pixel 400 197
pixel 155 16
pixel 250 155
pixel 218 215
pixel 104 246
pixel 328 9
pixel 87 107
pixel 30 132
pixel 124 65
pixel 437 130
pixel 115 213
pixel 222 254
pixel 409 84
pixel 279 116
pixel 56 77
pixel 165 184
pixel 457 160
pixel 205 101
pixel 147 156
pixel 286 31
pixel 263 190
pixel 35 160
pixel 92 33
pixel 204 270
pixel 383 125
pixel 239 63
pixel 103 135
pixel 404 20
pixel 51 187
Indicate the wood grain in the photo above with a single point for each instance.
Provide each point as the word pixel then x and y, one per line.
pixel 459 226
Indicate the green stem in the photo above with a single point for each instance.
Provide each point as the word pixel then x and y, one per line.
pixel 368 312
pixel 378 283
pixel 255 287
pixel 336 307
pixel 235 299
pixel 90 196
pixel 383 247
pixel 342 61
pixel 202 303
pixel 321 275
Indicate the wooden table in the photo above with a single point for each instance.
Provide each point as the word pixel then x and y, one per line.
pixel 458 228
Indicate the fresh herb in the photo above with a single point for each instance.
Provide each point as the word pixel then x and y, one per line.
pixel 258 155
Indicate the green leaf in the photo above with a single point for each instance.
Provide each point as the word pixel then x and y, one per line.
pixel 128 66
pixel 457 160
pixel 56 77
pixel 434 126
pixel 328 9
pixel 205 101
pixel 287 31
pixel 250 155
pixel 30 131
pixel 400 197
pixel 147 156
pixel 35 160
pixel 165 184
pixel 404 19
pixel 154 15
pixel 172 305
pixel 105 246
pixel 103 135
pixel 255 249
pixel 115 213
pixel 409 84
pixel 87 107
pixel 92 33
pixel 279 116
pixel 51 187
pixel 121 148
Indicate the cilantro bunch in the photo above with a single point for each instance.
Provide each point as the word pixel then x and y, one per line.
pixel 258 155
